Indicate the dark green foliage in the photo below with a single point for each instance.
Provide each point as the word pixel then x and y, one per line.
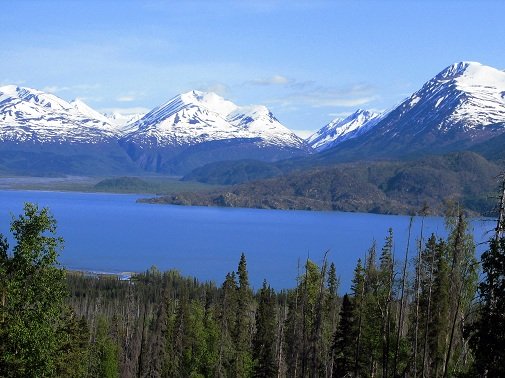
pixel 388 187
pixel 345 339
pixel 488 332
pixel 160 324
pixel 33 297
pixel 264 341
pixel 244 322
pixel 104 353
pixel 233 172
pixel 74 346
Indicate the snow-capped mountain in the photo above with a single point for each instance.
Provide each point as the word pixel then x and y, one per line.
pixel 465 95
pixel 461 106
pixel 30 115
pixel 342 129
pixel 196 128
pixel 197 117
pixel 188 131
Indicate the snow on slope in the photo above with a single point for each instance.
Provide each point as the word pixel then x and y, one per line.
pixel 458 103
pixel 29 115
pixel 196 117
pixel 485 89
pixel 465 94
pixel 123 120
pixel 342 129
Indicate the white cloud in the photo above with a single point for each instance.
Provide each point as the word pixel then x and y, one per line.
pixel 308 94
pixel 273 80
pixel 75 88
pixel 218 88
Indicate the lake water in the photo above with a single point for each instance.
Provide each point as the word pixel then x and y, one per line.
pixel 113 233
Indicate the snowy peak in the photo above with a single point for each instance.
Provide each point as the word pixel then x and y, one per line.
pixel 195 117
pixel 339 130
pixel 123 120
pixel 31 115
pixel 194 106
pixel 465 95
pixel 84 109
pixel 208 100
pixel 457 69
pixel 31 98
pixel 461 106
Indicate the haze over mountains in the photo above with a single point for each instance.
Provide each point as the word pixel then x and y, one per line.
pixel 461 108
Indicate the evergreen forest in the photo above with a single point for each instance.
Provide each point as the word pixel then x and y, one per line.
pixel 439 314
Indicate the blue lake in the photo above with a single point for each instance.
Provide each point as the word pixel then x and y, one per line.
pixel 113 233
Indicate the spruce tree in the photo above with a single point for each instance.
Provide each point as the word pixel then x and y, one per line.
pixel 227 326
pixel 488 338
pixel 438 327
pixel 358 295
pixel 462 286
pixel 264 338
pixel 243 324
pixel 344 341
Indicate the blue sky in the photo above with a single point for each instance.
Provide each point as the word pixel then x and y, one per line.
pixel 308 61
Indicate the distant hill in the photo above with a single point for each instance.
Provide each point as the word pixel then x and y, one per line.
pixel 395 187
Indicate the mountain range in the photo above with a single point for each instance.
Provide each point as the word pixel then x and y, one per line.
pixel 461 108
pixel 39 129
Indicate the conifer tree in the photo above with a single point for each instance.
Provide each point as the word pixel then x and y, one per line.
pixel 331 309
pixel 104 354
pixel 227 326
pixel 243 324
pixel 264 338
pixel 344 342
pixel 462 284
pixel 358 295
pixel 488 337
pixel 439 314
pixel 385 298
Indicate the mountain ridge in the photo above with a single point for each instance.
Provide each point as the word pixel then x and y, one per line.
pixel 160 141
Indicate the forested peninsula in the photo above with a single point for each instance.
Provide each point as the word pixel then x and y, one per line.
pixel 430 316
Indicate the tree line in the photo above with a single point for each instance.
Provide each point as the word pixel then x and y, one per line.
pixel 427 316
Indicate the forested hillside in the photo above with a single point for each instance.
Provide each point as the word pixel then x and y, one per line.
pixel 402 317
pixel 388 187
